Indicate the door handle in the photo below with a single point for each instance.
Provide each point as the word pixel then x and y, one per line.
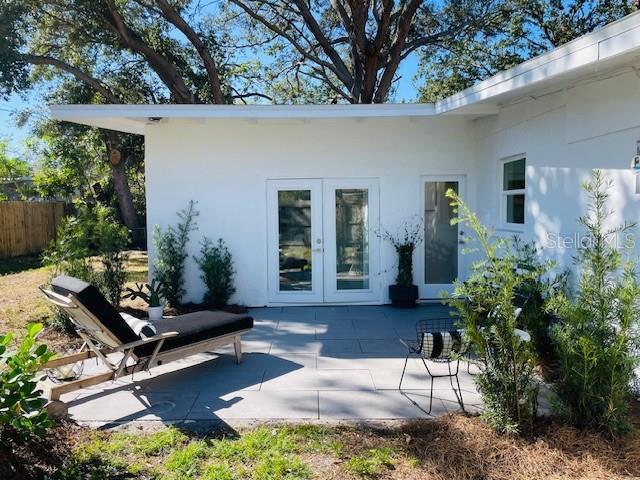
pixel 319 249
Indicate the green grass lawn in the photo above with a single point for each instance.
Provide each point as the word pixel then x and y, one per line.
pixel 261 454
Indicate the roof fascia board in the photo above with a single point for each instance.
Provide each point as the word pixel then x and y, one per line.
pixel 71 112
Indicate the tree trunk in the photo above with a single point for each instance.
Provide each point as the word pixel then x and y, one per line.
pixel 121 182
pixel 123 192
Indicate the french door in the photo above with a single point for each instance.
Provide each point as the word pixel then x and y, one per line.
pixel 321 246
pixel 441 258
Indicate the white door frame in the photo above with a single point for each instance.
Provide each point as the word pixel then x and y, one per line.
pixel 323 239
pixel 433 291
pixel 315 295
pixel 331 292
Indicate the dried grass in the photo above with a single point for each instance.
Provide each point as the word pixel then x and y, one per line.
pixel 460 447
pixel 21 302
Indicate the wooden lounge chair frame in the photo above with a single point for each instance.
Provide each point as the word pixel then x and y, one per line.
pixel 99 342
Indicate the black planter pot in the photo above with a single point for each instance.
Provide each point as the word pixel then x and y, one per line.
pixel 403 296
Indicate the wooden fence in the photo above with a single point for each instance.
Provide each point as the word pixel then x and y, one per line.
pixel 28 227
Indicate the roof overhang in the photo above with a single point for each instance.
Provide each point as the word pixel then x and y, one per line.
pixel 134 118
pixel 614 47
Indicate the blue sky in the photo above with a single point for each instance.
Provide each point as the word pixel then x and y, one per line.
pixel 16 136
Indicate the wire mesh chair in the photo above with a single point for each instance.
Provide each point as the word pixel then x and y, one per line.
pixel 438 341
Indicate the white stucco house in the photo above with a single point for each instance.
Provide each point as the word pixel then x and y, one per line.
pixel 297 191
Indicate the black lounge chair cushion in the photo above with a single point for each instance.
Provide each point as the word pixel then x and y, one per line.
pixel 191 327
pixel 95 302
pixel 196 327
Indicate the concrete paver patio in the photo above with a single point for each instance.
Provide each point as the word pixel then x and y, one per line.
pixel 300 363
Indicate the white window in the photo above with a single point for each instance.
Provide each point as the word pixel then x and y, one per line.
pixel 513 191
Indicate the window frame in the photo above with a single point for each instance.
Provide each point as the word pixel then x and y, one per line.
pixel 505 194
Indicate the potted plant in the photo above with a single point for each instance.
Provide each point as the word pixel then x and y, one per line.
pixel 408 237
pixel 151 296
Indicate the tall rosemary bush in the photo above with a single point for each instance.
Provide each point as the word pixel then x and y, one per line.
pixel 599 322
pixel 171 254
pixel 486 303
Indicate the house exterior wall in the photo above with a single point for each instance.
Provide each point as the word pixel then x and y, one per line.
pixel 224 165
pixel 563 137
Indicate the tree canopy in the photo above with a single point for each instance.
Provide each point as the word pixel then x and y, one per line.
pixel 519 30
pixel 187 51
pixel 12 169
pixel 279 51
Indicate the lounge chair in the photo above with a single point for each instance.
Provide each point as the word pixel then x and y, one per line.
pixel 143 344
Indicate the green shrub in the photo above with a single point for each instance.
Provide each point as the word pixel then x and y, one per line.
pixel 92 232
pixel 533 294
pixel 599 324
pixel 216 264
pixel 171 253
pixel 69 255
pixel 486 303
pixel 21 403
pixel 111 238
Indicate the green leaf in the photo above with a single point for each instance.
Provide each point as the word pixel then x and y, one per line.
pixel 34 328
pixel 41 350
pixel 6 339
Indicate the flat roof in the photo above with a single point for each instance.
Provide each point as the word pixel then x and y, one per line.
pixel 615 46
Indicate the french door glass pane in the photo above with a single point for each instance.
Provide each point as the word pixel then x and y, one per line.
pixel 440 237
pixel 294 239
pixel 352 239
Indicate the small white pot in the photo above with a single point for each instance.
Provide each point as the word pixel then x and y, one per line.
pixel 155 313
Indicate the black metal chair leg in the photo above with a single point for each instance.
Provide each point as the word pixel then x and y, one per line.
pixel 430 397
pixel 403 370
pixel 458 392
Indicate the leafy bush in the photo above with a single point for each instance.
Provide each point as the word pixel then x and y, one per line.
pixel 70 251
pixel 486 303
pixel 21 403
pixel 171 253
pixel 216 264
pixel 111 238
pixel 599 324
pixel 533 294
pixel 91 232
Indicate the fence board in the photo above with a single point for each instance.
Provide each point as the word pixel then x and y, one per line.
pixel 28 227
